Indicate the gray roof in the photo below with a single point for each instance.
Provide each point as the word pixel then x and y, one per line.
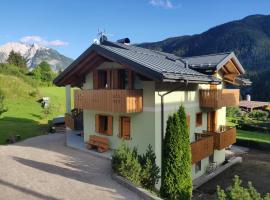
pixel 211 60
pixel 171 67
pixel 159 66
pixel 243 81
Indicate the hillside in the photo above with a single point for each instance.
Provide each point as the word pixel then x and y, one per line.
pixel 35 54
pixel 25 116
pixel 249 38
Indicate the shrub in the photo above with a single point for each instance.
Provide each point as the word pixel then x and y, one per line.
pixel 176 182
pixel 150 171
pixel 126 164
pixel 237 192
pixel 2 106
pixel 233 112
pixel 258 114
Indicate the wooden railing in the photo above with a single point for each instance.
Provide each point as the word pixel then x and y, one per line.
pixel 224 138
pixel 219 98
pixel 202 148
pixel 123 101
pixel 69 121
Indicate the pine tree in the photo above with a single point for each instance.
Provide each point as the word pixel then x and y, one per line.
pixel 185 173
pixel 176 182
pixel 17 60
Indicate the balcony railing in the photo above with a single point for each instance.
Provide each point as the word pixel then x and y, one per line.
pixel 224 137
pixel 123 101
pixel 202 148
pixel 216 99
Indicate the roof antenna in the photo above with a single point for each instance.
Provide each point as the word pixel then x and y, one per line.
pixel 102 36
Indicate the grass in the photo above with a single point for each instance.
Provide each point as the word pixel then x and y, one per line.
pixel 253 136
pixel 25 116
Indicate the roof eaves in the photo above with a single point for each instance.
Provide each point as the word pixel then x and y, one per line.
pixel 74 63
pixel 227 58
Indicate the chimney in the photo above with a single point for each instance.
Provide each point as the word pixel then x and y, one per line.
pixel 248 97
pixel 124 41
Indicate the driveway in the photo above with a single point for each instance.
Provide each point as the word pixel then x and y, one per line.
pixel 44 168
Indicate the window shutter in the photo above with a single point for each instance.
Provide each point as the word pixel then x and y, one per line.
pixel 126 127
pixel 95 79
pixel 97 124
pixel 188 121
pixel 110 125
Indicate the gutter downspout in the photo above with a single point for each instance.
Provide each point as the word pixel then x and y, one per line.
pixel 162 115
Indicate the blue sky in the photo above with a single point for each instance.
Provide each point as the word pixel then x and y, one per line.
pixel 70 26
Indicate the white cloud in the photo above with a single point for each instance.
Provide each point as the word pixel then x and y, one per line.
pixel 39 40
pixel 162 3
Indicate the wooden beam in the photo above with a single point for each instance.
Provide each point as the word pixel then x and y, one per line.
pixel 76 68
pixel 232 66
pixel 230 76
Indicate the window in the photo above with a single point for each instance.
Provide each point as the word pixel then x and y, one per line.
pixel 113 79
pixel 102 79
pixel 198 119
pixel 123 79
pixel 124 128
pixel 198 166
pixel 104 124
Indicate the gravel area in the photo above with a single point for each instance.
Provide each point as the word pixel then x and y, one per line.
pixel 44 168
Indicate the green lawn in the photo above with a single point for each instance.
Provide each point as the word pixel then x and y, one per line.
pixel 25 115
pixel 254 136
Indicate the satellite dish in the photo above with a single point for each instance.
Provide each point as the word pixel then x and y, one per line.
pixel 96 41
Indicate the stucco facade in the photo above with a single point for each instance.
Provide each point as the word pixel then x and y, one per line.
pixel 146 125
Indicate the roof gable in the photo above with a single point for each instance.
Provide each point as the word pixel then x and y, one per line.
pixel 158 66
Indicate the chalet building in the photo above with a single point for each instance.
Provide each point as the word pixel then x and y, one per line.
pixel 127 93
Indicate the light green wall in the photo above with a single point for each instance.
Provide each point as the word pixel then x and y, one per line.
pixel 142 124
pixel 189 98
pixel 146 126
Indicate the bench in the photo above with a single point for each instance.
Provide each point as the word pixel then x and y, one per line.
pixel 101 143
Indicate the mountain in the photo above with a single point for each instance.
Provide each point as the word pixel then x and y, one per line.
pixel 34 54
pixel 249 38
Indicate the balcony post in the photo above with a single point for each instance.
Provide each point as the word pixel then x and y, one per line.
pixel 68 99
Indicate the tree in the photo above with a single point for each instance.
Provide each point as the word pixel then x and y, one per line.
pixel 2 107
pixel 237 192
pixel 17 60
pixel 43 72
pixel 185 170
pixel 150 170
pixel 176 182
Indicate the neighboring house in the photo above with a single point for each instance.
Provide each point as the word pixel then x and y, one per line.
pixel 127 93
pixel 248 105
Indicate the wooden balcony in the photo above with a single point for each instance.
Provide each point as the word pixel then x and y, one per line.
pixel 202 148
pixel 69 121
pixel 216 99
pixel 123 101
pixel 225 137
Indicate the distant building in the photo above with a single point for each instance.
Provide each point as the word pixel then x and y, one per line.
pixel 254 105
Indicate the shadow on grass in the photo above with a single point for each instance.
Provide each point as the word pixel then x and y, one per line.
pixel 26 128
